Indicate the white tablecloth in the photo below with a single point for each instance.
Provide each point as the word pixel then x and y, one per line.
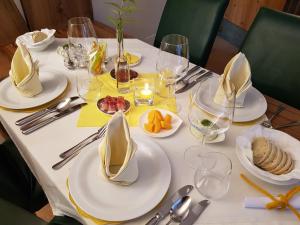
pixel 41 150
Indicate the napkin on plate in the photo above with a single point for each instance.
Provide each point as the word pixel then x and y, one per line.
pixel 117 152
pixel 260 202
pixel 238 73
pixel 24 72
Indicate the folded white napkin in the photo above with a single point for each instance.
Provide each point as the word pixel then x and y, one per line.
pixel 24 72
pixel 238 73
pixel 260 202
pixel 117 152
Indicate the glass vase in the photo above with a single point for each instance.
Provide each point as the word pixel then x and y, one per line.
pixel 121 66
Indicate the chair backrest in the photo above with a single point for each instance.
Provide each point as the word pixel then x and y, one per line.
pixel 272 47
pixel 54 13
pixel 199 20
pixel 12 24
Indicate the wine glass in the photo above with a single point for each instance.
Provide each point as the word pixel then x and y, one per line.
pixel 172 62
pixel 207 121
pixel 82 40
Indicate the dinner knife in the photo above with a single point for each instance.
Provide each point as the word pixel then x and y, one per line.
pixel 165 208
pixel 44 122
pixel 41 113
pixel 195 212
pixel 193 83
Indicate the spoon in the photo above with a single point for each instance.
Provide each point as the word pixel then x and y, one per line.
pixel 180 209
pixel 60 107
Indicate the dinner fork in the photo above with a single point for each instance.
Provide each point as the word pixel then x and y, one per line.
pixel 81 144
pixel 75 152
pixel 267 123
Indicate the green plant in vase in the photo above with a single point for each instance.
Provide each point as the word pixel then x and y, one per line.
pixel 121 10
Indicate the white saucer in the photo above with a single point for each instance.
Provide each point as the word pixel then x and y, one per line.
pixel 176 123
pixel 53 85
pixel 112 202
pixel 255 104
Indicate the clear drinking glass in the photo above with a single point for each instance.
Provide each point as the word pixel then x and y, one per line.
pixel 212 177
pixel 207 119
pixel 82 39
pixel 172 62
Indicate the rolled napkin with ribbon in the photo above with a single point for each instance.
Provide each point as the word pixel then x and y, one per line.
pixel 24 73
pixel 261 202
pixel 236 77
pixel 117 152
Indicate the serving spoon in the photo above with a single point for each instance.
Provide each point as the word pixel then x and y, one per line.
pixel 180 209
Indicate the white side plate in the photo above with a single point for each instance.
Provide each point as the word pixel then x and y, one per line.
pixel 112 202
pixel 53 85
pixel 176 123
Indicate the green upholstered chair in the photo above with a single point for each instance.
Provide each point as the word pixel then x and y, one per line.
pixel 17 183
pixel 272 47
pixel 199 20
pixel 14 215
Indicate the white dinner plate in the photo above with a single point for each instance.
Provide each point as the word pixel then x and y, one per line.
pixel 255 104
pixel 53 85
pixel 112 202
pixel 176 123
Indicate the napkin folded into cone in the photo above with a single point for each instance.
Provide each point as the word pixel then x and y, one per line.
pixel 260 202
pixel 24 73
pixel 237 73
pixel 117 152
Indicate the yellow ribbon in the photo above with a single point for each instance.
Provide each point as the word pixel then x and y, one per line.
pixel 281 201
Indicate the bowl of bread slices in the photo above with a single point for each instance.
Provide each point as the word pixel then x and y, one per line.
pixel 270 155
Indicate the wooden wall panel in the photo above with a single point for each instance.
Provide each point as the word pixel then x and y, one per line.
pixel 54 13
pixel 243 12
pixel 12 23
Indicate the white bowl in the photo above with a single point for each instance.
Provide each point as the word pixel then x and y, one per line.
pixel 40 46
pixel 282 140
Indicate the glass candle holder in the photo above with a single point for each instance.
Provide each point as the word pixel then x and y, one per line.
pixel 143 91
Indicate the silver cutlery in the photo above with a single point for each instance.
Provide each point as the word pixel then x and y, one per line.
pixel 193 83
pixel 43 122
pixel 187 80
pixel 290 124
pixel 53 108
pixel 180 210
pixel 166 207
pixel 195 212
pixel 83 143
pixel 190 72
pixel 64 161
pixel 267 123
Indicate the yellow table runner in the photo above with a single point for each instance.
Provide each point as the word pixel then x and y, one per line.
pixel 91 116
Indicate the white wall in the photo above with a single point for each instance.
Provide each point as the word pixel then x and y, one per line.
pixel 146 18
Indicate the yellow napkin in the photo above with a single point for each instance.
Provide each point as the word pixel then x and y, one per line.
pixel 117 152
pixel 24 73
pixel 91 116
pixel 238 73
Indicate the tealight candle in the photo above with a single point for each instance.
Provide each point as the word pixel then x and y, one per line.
pixel 143 91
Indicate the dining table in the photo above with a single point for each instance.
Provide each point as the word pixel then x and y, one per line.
pixel 41 149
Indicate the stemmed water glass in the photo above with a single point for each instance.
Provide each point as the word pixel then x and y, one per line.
pixel 82 38
pixel 207 121
pixel 172 62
